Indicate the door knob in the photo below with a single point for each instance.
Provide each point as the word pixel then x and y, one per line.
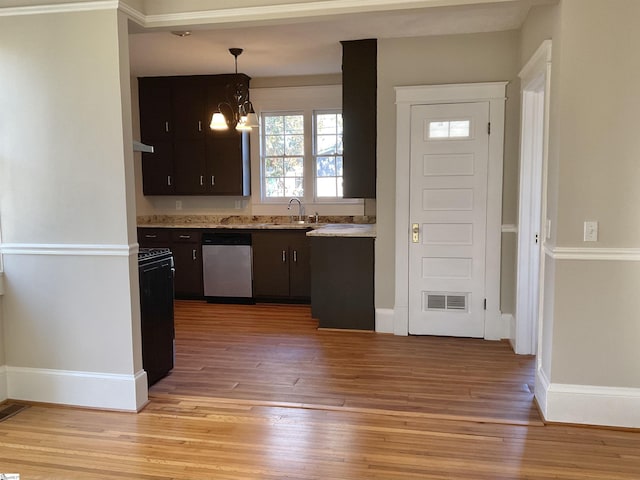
pixel 415 233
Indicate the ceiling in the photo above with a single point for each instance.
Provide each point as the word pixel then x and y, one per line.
pixel 309 47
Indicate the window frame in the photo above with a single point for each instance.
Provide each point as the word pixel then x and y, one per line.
pixel 318 199
pixel 263 155
pixel 282 100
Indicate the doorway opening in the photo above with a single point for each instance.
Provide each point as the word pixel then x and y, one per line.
pixel 532 231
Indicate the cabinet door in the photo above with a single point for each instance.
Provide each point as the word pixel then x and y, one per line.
pixel 189 108
pixel 155 109
pixel 300 265
pixel 188 264
pixel 342 282
pixel 270 264
pixel 359 86
pixel 189 166
pixel 228 171
pixel 186 246
pixel 157 170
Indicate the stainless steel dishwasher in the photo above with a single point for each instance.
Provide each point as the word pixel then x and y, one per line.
pixel 227 267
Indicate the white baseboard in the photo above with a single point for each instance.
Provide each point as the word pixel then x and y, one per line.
pixel 85 389
pixel 3 383
pixel 588 404
pixel 496 326
pixel 385 318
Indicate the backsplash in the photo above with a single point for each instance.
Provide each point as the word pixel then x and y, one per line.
pixel 246 219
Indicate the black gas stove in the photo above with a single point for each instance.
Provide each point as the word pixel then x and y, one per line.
pixel 155 266
pixel 148 255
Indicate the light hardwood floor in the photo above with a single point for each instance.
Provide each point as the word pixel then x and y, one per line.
pixel 275 353
pixel 322 426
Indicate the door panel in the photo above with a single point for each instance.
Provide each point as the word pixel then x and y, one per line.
pixel 189 160
pixel 448 209
pixel 270 264
pixel 300 265
pixel 157 170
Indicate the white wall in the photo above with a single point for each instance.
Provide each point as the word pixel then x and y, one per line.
pixel 71 313
pixel 484 57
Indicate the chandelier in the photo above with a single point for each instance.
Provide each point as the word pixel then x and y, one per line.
pixel 239 112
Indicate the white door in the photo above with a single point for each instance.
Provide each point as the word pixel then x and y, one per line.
pixel 448 215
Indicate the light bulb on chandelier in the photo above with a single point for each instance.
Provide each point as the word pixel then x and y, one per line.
pixel 239 115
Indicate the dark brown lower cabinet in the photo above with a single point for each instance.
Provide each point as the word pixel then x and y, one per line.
pixel 342 285
pixel 281 267
pixel 186 247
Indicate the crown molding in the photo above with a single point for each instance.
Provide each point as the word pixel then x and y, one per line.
pixel 317 8
pixel 59 8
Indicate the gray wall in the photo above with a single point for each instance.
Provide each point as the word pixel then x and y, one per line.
pixel 67 184
pixel 594 175
pixel 484 57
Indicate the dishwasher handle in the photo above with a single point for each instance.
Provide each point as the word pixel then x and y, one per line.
pixel 226 239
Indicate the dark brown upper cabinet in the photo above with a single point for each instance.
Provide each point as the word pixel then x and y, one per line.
pixel 359 105
pixel 190 158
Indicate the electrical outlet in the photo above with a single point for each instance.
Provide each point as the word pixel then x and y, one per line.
pixel 590 231
pixel 178 204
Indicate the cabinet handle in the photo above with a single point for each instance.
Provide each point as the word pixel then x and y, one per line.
pixel 194 256
pixel 201 180
pixel 166 127
pixel 169 180
pixel 213 180
pixel 295 256
pixel 199 125
pixel 284 256
pixel 148 235
pixel 186 237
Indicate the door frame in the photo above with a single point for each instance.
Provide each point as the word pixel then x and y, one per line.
pixel 535 81
pixel 406 97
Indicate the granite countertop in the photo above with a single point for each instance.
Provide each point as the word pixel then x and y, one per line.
pixel 344 230
pixel 237 226
pixel 332 226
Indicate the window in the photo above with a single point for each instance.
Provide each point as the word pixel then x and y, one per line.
pixel 302 149
pixel 450 129
pixel 328 154
pixel 283 144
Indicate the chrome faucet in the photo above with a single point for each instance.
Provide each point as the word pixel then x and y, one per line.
pixel 300 209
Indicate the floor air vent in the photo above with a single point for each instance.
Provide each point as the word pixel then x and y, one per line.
pixel 10 409
pixel 440 301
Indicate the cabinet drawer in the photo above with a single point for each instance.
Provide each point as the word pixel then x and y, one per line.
pixel 185 236
pixel 154 236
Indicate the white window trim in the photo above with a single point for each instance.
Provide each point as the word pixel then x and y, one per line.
pixel 326 200
pixel 261 148
pixel 296 99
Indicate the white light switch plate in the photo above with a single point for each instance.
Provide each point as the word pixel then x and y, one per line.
pixel 548 229
pixel 590 231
